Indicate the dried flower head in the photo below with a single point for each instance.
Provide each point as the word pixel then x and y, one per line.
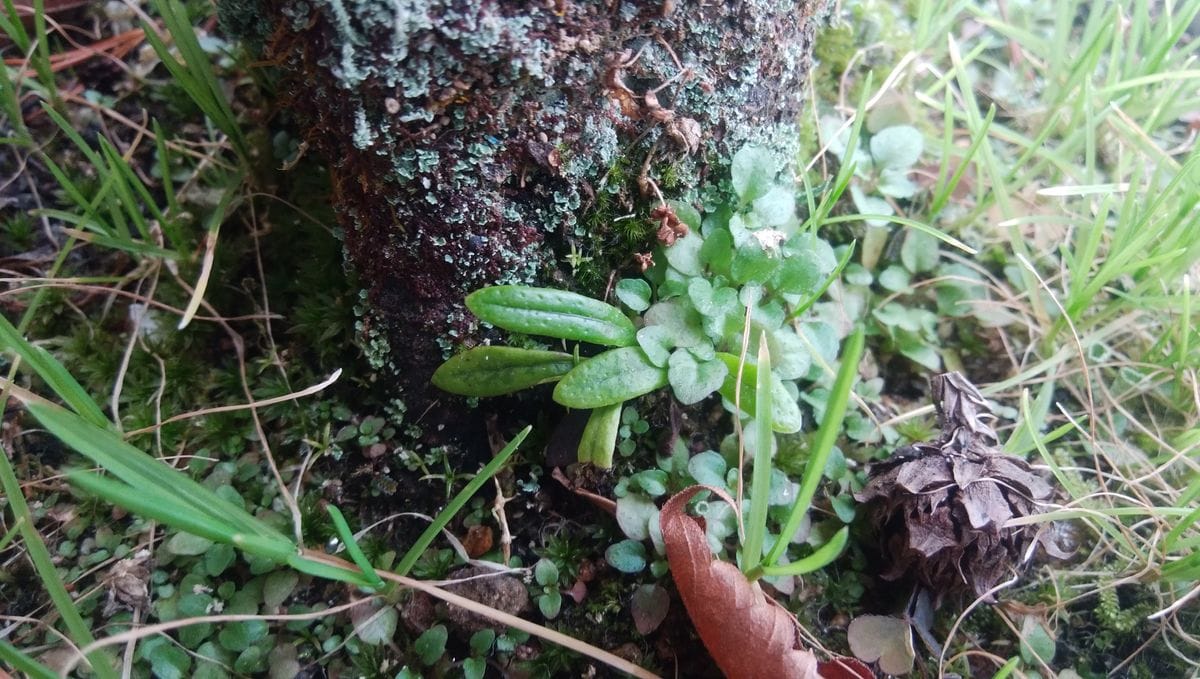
pixel 941 507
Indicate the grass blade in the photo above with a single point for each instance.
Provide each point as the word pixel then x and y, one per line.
pixel 443 517
pixel 760 480
pixel 356 553
pixel 53 374
pixel 831 426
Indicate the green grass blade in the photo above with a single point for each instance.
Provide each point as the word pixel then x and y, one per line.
pixel 821 557
pixel 760 480
pixel 148 503
pixel 60 381
pixel 943 195
pixel 22 663
pixel 35 548
pixel 831 426
pixel 139 470
pixel 443 517
pixel 324 570
pixel 356 553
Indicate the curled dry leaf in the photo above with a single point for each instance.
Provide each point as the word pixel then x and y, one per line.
pixel 731 614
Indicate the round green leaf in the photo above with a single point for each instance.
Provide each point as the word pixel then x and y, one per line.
pixel 919 253
pixel 657 342
pixel 680 321
pixel 167 660
pixel 474 668
pixel 897 147
pixel 777 206
pixel 717 251
pixel 612 377
pixel 634 514
pixel 545 572
pixel 481 641
pixel 550 604
pixel 634 293
pixel 278 586
pixel 626 556
pixel 693 380
pixel 798 274
pixel 708 469
pixel 492 371
pixel 753 262
pixel 431 644
pixel 552 313
pixel 684 254
pixel 652 481
pixel 753 172
pixel 238 636
pixel 218 558
pixel 186 544
pixel 250 661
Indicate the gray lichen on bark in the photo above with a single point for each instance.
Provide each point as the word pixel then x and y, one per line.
pixel 466 138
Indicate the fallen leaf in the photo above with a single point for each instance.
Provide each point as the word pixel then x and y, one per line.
pixel 884 639
pixel 732 615
pixel 649 607
pixel 845 668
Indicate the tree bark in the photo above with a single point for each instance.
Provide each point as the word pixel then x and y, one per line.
pixel 476 142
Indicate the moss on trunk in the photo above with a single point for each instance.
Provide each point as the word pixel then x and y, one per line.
pixel 476 142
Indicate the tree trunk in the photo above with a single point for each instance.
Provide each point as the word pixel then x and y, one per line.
pixel 475 142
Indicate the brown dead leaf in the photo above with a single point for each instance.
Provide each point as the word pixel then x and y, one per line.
pixel 732 615
pixel 845 668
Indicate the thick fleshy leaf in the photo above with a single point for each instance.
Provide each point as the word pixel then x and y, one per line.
pixel 600 436
pixel 492 371
pixel 552 313
pixel 731 614
pixel 612 377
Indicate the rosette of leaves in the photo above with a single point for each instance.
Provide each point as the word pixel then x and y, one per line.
pixel 881 171
pixel 743 269
pixel 942 507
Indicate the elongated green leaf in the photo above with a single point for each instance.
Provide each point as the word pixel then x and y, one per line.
pixel 552 313
pixel 52 373
pixel 164 509
pixel 785 412
pixel 356 553
pixel 600 436
pixel 491 371
pixel 439 522
pixel 612 377
pixel 35 550
pixel 820 558
pixel 13 657
pixel 327 571
pixel 142 471
pixel 760 483
pixel 831 427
